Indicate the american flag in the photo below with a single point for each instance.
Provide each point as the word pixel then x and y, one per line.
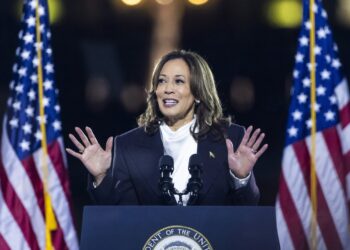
pixel 22 201
pixel 332 160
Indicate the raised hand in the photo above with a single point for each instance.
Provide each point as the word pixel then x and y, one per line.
pixel 96 159
pixel 243 160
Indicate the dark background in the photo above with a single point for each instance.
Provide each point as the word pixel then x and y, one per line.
pixel 102 57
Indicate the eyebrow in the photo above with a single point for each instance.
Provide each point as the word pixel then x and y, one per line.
pixel 180 76
pixel 175 75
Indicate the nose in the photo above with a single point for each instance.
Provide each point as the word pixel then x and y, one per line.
pixel 168 88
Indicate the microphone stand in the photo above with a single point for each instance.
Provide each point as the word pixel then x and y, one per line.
pixel 166 166
pixel 194 185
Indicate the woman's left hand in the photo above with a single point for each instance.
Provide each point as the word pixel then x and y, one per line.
pixel 242 161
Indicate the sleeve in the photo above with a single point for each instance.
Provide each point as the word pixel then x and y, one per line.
pixel 117 187
pixel 240 182
pixel 248 194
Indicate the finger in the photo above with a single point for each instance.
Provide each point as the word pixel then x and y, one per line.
pixel 252 139
pixel 73 153
pixel 91 135
pixel 246 135
pixel 261 151
pixel 83 137
pixel 258 141
pixel 76 142
pixel 229 146
pixel 109 144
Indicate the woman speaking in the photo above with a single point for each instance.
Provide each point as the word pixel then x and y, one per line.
pixel 182 127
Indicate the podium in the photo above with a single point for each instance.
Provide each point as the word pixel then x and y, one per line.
pixel 176 227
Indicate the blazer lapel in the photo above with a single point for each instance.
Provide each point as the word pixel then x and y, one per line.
pixel 151 148
pixel 213 154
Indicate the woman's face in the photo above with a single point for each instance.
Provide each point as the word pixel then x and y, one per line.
pixel 174 96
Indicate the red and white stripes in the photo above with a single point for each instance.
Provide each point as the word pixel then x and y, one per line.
pixel 293 206
pixel 22 203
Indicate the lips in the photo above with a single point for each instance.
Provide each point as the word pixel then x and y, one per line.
pixel 170 102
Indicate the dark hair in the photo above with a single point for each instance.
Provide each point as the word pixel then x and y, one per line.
pixel 202 84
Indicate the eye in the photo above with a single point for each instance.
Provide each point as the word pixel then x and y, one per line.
pixel 161 80
pixel 179 81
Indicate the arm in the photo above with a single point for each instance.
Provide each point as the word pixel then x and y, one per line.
pixel 117 186
pixel 246 195
pixel 241 162
pixel 109 181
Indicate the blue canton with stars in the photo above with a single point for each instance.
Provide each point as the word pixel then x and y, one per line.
pixel 328 76
pixel 23 120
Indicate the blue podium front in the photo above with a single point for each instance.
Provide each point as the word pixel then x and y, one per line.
pixel 175 227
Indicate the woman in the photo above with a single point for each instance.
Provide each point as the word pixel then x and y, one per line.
pixel 183 117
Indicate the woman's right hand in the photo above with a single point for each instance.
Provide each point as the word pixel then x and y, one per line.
pixel 96 159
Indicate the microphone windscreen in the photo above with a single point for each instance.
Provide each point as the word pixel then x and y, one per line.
pixel 195 160
pixel 166 160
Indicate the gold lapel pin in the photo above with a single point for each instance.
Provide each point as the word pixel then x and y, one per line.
pixel 211 154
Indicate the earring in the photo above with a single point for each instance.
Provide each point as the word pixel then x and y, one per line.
pixel 197 101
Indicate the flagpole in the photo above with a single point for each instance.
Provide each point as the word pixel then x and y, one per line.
pixel 313 180
pixel 50 221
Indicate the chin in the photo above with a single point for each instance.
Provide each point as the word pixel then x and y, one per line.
pixel 170 117
pixel 169 113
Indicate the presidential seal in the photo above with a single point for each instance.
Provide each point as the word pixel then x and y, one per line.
pixel 177 238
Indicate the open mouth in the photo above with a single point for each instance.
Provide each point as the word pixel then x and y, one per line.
pixel 170 102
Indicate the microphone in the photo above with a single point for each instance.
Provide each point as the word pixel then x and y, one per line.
pixel 166 186
pixel 195 183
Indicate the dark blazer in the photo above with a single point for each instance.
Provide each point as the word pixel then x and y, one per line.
pixel 134 174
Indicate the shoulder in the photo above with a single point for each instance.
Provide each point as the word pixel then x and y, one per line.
pixel 235 133
pixel 235 129
pixel 131 135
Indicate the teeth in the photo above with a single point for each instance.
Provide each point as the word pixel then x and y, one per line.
pixel 170 101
